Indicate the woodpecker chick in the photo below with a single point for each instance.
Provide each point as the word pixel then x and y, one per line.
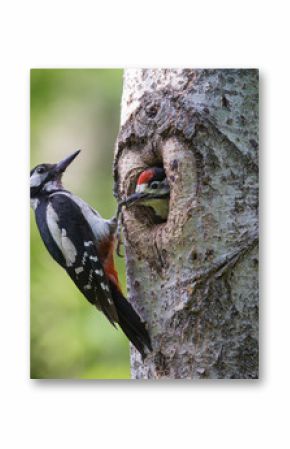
pixel 82 242
pixel 152 190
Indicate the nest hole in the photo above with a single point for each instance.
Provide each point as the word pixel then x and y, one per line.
pixel 146 213
pixel 149 235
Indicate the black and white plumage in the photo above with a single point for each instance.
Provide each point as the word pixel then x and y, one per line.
pixel 82 242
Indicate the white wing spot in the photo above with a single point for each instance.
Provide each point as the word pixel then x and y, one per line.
pixel 94 258
pixel 110 301
pixel 36 179
pixel 99 272
pixel 104 286
pixel 52 223
pixel 84 257
pixel 88 243
pixel 88 287
pixel 69 250
pixel 66 246
pixel 78 270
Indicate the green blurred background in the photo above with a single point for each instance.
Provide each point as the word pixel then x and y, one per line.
pixel 73 109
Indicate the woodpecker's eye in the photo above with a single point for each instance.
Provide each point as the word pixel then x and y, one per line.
pixel 154 185
pixel 40 170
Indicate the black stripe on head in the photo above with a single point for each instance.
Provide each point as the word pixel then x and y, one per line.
pixel 42 167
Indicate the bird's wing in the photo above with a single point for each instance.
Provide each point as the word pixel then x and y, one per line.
pixel 77 243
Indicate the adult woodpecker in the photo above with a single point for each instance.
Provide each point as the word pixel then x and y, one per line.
pixel 82 242
pixel 152 190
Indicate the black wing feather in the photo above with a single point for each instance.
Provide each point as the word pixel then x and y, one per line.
pixel 86 271
pixel 51 246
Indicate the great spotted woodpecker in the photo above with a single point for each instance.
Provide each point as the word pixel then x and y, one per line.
pixel 152 190
pixel 82 242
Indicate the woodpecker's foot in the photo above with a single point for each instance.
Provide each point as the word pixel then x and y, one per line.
pixel 113 223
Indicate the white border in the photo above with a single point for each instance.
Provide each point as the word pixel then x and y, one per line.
pixel 137 414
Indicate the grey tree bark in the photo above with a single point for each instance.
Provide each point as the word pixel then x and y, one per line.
pixel 193 279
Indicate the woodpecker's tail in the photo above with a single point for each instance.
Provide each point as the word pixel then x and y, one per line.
pixel 130 322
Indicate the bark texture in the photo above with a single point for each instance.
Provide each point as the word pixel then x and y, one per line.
pixel 193 279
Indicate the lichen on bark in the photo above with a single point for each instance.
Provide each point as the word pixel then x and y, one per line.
pixel 193 279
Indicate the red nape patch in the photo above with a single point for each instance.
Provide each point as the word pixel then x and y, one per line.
pixel 145 176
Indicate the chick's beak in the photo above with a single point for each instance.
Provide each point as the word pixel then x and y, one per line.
pixel 139 197
pixel 132 199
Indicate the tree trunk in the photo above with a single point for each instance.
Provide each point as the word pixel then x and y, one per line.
pixel 193 279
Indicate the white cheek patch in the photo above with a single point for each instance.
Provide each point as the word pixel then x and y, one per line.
pixel 36 179
pixel 59 236
pixel 140 188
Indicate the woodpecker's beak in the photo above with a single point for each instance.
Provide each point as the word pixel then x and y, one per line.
pixel 62 165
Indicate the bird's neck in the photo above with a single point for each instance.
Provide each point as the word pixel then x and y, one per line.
pixel 160 207
pixel 52 186
pixel 39 194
